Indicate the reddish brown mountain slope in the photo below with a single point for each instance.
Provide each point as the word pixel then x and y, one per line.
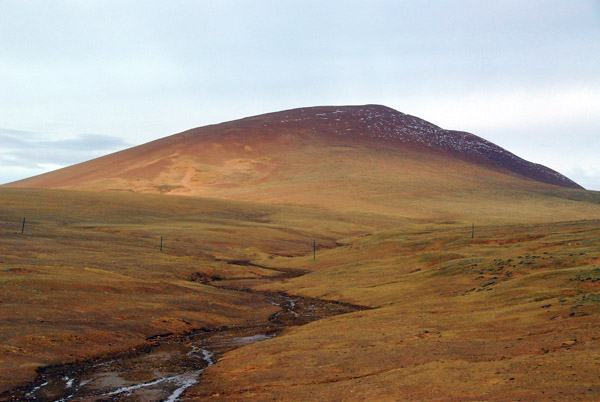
pixel 308 156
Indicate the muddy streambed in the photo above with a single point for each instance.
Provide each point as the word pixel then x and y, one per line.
pixel 167 365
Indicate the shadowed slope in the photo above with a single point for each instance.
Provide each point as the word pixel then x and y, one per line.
pixel 306 156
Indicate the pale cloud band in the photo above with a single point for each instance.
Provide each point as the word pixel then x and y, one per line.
pixel 25 153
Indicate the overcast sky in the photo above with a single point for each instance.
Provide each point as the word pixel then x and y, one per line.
pixel 80 79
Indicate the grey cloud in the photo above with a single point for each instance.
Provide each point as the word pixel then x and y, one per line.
pixel 28 150
pixel 9 140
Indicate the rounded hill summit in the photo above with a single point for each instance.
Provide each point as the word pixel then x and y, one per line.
pixel 340 155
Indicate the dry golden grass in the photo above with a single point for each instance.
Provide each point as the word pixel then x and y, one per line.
pixel 509 315
pixel 353 177
pixel 87 277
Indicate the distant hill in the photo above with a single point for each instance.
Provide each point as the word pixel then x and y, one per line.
pixel 324 156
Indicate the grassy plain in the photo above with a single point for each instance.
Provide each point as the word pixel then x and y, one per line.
pixel 510 314
pixel 87 276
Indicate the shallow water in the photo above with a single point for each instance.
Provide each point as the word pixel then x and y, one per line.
pixel 162 371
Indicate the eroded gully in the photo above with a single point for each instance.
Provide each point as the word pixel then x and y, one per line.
pixel 165 366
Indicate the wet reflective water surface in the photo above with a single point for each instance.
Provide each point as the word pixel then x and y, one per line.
pixel 167 366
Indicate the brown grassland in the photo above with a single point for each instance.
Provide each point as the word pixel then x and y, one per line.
pixel 511 314
pixel 87 276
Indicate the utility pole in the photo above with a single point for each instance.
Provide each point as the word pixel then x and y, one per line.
pixel 314 250
pixel 23 227
pixel 473 231
pixel 160 243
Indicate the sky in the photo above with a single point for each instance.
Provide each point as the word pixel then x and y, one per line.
pixel 81 79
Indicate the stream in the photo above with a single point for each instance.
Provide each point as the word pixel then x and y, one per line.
pixel 164 367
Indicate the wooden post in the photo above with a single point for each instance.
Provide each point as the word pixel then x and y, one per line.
pixel 23 227
pixel 160 243
pixel 314 250
pixel 473 231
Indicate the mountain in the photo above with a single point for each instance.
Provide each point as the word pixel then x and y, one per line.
pixel 324 156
